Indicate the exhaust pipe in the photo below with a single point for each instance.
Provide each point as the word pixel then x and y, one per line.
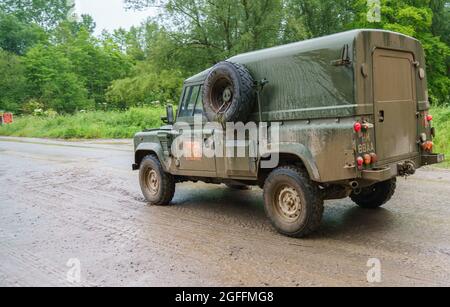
pixel 354 185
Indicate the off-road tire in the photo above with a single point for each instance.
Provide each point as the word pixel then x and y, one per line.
pixel 311 203
pixel 163 195
pixel 375 196
pixel 233 76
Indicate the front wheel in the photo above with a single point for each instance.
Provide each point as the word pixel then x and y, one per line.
pixel 157 186
pixel 376 195
pixel 293 202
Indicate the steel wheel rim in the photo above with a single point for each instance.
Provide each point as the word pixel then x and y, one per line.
pixel 152 182
pixel 287 203
pixel 222 95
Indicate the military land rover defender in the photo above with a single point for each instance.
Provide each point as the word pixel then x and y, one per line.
pixel 345 115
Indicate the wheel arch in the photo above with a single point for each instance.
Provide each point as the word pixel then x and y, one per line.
pixel 145 149
pixel 295 154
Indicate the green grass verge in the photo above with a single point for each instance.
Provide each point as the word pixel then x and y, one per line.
pixel 442 124
pixel 90 125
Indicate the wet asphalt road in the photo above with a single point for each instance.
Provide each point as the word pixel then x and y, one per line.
pixel 62 201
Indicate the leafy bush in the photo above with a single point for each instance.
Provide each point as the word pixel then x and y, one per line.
pixel 441 121
pixel 87 125
pixel 146 87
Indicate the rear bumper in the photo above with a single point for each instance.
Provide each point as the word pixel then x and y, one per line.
pixel 399 168
pixel 379 175
pixel 432 159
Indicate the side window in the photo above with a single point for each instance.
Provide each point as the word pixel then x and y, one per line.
pixel 199 105
pixel 191 101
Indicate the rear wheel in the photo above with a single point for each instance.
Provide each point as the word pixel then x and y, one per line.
pixel 376 195
pixel 157 186
pixel 293 202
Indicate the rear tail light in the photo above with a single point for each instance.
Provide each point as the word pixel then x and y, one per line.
pixel 360 162
pixel 429 118
pixel 367 159
pixel 428 146
pixel 358 127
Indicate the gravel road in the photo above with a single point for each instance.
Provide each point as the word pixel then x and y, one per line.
pixel 80 201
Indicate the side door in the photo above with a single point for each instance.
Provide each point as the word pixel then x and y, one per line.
pixel 195 139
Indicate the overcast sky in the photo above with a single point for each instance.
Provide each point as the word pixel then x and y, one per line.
pixel 111 14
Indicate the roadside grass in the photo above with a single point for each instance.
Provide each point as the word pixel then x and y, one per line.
pixel 441 121
pixel 90 125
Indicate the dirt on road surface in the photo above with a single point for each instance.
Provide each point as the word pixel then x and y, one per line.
pixel 64 202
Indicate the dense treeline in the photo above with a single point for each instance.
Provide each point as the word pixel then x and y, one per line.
pixel 51 63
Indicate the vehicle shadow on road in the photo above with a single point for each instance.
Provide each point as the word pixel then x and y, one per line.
pixel 343 219
pixel 222 202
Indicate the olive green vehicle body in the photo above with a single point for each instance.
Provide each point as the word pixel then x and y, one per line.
pixel 317 90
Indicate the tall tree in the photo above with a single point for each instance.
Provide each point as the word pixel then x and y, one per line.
pixel 313 18
pixel 12 82
pixel 218 29
pixel 52 81
pixel 46 13
pixel 17 36
pixel 441 19
pixel 96 63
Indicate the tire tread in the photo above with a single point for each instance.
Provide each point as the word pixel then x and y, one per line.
pixel 312 194
pixel 167 182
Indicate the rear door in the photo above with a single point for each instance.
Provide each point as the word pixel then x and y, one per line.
pixel 395 104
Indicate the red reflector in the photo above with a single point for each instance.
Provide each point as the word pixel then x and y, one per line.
pixel 429 118
pixel 374 157
pixel 357 127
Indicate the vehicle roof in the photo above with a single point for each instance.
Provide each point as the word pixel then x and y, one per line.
pixel 302 46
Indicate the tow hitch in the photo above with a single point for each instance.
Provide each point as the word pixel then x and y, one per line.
pixel 406 169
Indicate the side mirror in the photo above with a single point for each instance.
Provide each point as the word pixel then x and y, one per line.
pixel 170 117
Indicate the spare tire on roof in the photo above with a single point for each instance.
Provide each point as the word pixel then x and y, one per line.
pixel 228 93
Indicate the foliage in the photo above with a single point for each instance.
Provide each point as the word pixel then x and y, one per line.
pixel 86 125
pixel 146 87
pixel 16 36
pixel 12 82
pixel 45 13
pixel 313 18
pixel 96 63
pixel 52 80
pixel 441 19
pixel 442 124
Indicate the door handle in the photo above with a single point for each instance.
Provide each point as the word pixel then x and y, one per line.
pixel 381 116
